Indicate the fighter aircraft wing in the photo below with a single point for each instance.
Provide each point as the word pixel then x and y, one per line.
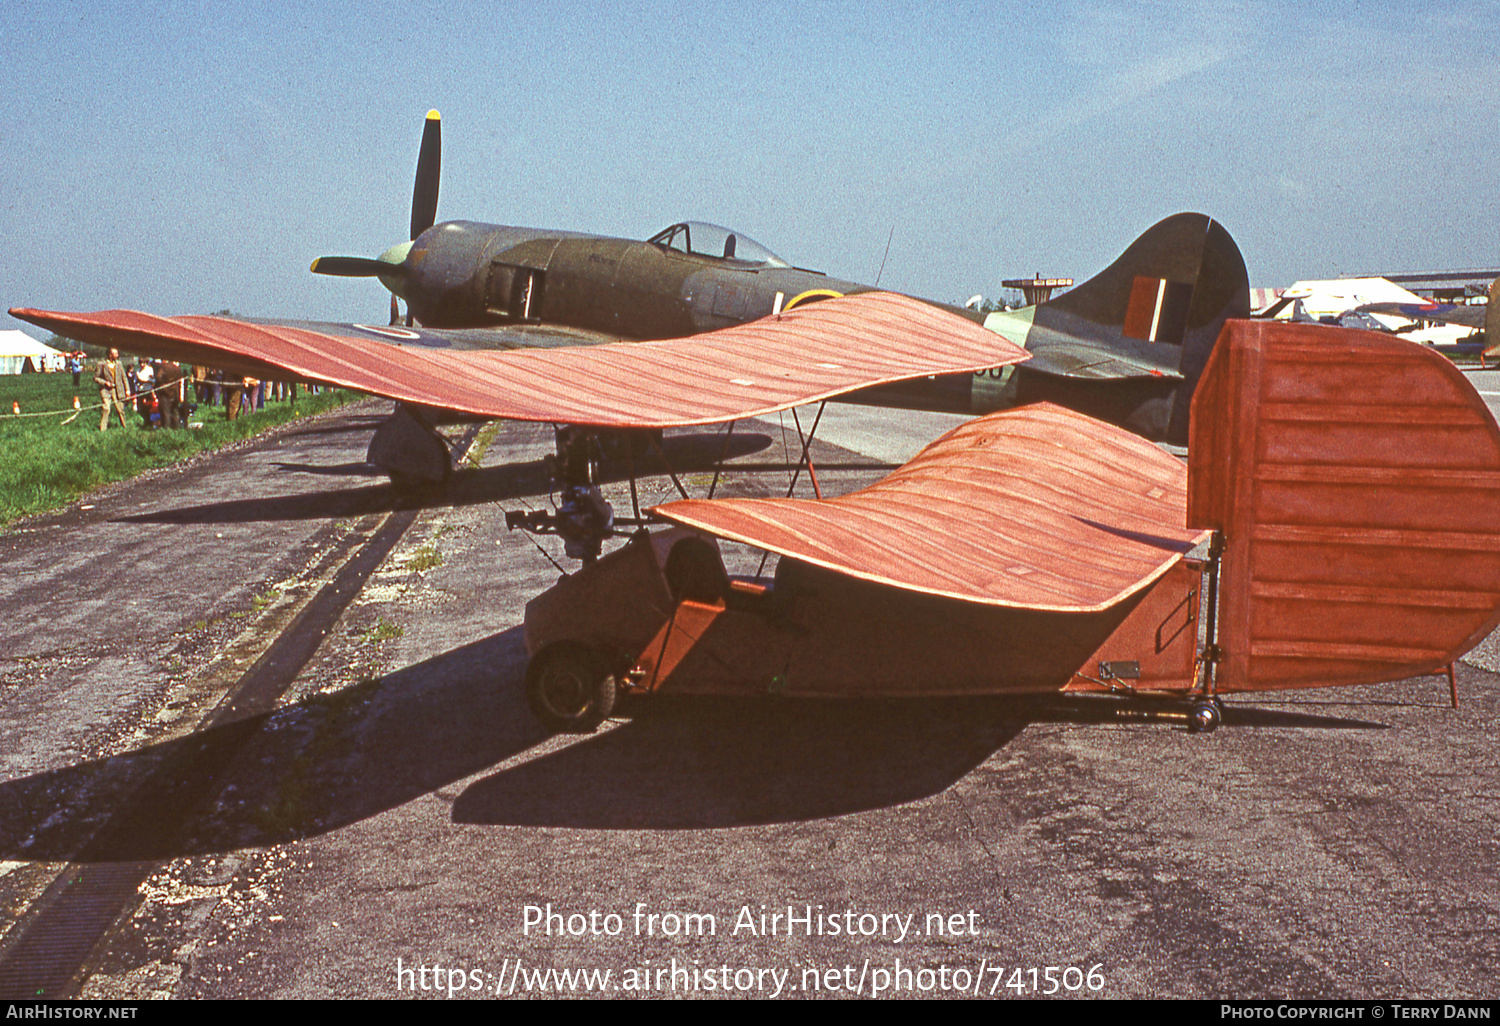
pixel 507 336
pixel 1038 507
pixel 800 356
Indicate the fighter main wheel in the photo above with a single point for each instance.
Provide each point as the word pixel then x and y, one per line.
pixel 1204 716
pixel 569 688
pixel 414 485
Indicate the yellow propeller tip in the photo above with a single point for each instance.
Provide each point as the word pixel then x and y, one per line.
pixel 433 115
pixel 314 267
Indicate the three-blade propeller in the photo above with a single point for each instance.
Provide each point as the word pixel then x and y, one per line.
pixel 390 266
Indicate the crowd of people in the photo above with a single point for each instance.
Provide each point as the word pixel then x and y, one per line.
pixel 165 393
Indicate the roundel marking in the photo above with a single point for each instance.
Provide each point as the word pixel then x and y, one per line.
pixel 400 333
pixel 810 296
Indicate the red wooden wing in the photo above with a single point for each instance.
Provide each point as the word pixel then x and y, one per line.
pixel 1040 508
pixel 804 355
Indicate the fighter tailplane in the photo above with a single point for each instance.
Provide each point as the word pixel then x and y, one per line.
pixel 1126 346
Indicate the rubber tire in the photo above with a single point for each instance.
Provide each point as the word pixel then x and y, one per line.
pixel 569 688
pixel 1204 717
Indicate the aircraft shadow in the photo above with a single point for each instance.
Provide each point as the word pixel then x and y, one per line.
pixel 333 470
pixel 330 760
pixel 308 768
pixel 342 426
pixel 1090 709
pixel 771 468
pixel 703 763
pixel 687 763
pixel 1346 703
pixel 467 487
pixel 698 763
pixel 1153 540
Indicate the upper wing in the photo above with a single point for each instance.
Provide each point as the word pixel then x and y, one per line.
pixel 1038 507
pixel 804 355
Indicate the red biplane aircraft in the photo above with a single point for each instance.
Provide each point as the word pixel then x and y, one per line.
pixel 1346 484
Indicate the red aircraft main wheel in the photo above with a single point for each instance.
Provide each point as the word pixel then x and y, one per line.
pixel 569 687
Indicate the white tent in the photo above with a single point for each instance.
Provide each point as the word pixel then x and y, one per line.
pixel 17 349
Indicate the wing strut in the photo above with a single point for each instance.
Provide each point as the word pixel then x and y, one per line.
pixel 656 444
pixel 635 498
pixel 806 458
pixel 806 455
pixel 723 455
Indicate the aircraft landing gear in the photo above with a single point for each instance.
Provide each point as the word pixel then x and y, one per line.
pixel 584 518
pixel 409 449
pixel 570 688
pixel 1205 715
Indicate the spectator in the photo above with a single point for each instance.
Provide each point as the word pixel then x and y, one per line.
pixel 113 387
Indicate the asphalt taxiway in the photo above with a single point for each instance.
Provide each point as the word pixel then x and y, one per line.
pixel 272 714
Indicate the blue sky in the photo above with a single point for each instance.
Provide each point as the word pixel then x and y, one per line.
pixel 188 157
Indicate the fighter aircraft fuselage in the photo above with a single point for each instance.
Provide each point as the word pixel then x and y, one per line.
pixel 681 282
pixel 1126 346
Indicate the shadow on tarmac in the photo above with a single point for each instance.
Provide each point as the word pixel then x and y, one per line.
pixel 468 486
pixel 309 767
pixel 344 425
pixel 335 470
pixel 679 763
pixel 695 763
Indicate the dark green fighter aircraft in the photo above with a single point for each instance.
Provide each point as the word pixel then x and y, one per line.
pixel 1126 346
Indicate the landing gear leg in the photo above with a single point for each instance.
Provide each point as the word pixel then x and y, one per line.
pixel 584 517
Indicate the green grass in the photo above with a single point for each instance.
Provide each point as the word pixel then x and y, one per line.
pixel 46 463
pixel 384 630
pixel 425 558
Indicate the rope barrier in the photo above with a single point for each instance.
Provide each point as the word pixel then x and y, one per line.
pixel 76 410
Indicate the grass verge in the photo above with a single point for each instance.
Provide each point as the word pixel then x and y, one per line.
pixel 46 463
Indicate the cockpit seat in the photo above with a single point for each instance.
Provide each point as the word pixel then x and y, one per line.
pixel 695 571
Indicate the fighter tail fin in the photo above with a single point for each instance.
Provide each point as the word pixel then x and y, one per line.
pixel 1175 286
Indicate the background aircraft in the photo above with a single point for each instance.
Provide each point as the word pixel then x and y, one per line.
pixel 1485 317
pixel 1126 346
pixel 1379 305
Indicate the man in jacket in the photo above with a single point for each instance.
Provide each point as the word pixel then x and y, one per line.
pixel 113 388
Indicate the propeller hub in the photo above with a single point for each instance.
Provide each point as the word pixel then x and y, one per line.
pixel 396 280
pixel 391 266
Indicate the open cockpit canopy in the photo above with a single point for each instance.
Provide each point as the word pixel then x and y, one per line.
pixel 716 242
